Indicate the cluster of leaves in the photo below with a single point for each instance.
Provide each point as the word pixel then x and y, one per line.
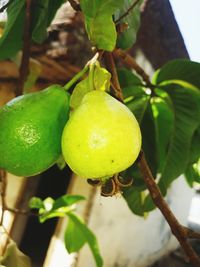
pixel 43 11
pixel 98 16
pixel 77 234
pixel 99 21
pixel 169 118
pixel 168 112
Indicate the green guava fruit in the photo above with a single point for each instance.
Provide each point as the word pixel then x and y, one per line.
pixel 101 138
pixel 30 131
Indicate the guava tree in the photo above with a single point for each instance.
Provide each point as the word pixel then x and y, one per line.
pixel 126 132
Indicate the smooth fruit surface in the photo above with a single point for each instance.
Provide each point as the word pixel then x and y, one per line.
pixel 30 131
pixel 101 138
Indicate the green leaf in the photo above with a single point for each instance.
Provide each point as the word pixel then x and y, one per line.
pixel 127 78
pixel 43 14
pixel 148 204
pixel 101 78
pixel 36 203
pixel 138 106
pixel 97 79
pixel 59 207
pixel 134 200
pixel 66 200
pixel 186 109
pixel 74 237
pixel 61 162
pixel 99 22
pixel 142 108
pixel 192 173
pixel 89 238
pixel 82 88
pixel 127 38
pixel 13 257
pixel 11 40
pixel 138 181
pixel 163 116
pixel 149 144
pixel 195 147
pixel 48 203
pixel 135 96
pixel 62 212
pixel 179 69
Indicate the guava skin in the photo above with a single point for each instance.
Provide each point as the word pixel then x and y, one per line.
pixel 101 138
pixel 30 131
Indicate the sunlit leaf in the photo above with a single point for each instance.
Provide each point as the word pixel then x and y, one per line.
pixel 89 238
pixel 50 208
pixel 192 173
pixel 98 79
pixel 74 237
pixel 36 203
pixel 101 78
pixel 82 88
pixel 186 109
pixel 138 106
pixel 67 200
pixel 99 22
pixel 179 69
pixel 135 96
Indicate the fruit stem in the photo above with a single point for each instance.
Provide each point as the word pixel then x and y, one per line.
pixel 76 78
pixel 91 76
pixel 88 66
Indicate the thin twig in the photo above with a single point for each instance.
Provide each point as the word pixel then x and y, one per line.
pixel 110 64
pixel 129 61
pixel 177 229
pixel 24 67
pixel 81 73
pixel 127 12
pixel 3 182
pixel 76 77
pixel 21 212
pixel 76 6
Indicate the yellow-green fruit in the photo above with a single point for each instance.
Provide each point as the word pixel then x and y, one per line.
pixel 101 138
pixel 30 131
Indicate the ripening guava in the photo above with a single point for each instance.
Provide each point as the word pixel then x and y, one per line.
pixel 101 138
pixel 30 131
